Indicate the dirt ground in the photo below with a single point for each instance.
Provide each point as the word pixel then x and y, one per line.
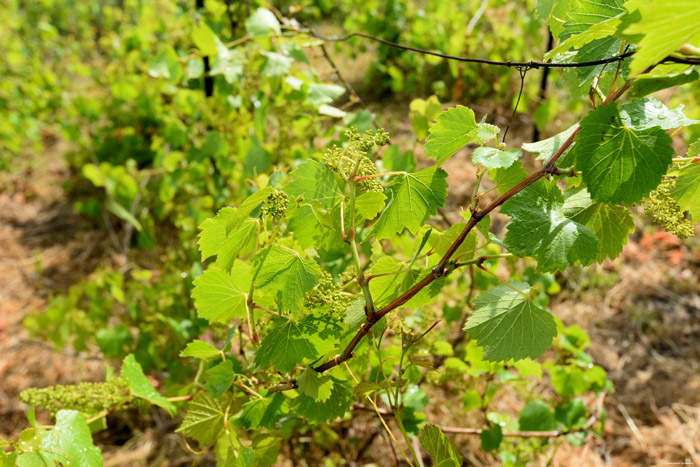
pixel 642 312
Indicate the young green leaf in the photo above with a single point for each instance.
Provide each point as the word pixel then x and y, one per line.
pixel 285 272
pixel 413 198
pixel 71 436
pixel 262 23
pixel 612 225
pixel 204 419
pixel 312 384
pixel 219 297
pixel 491 439
pixel 214 240
pixel 687 189
pixel 493 158
pixel 546 148
pixel 369 204
pixel 264 412
pixel 537 416
pixel 618 162
pixel 200 349
pixel 539 226
pixel 141 387
pixel 236 218
pixel 454 129
pixel 507 324
pixel 221 377
pixel 444 453
pixel 314 181
pixel 507 178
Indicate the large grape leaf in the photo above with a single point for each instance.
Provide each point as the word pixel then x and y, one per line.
pixel 507 178
pixel 141 387
pixel 291 342
pixel 444 453
pixel 611 224
pixel 666 25
pixel 219 297
pixel 507 324
pixel 540 227
pixel 413 198
pixel 285 272
pixel 454 129
pixel 620 164
pixel 204 419
pixel 314 181
pixel 687 190
pixel 647 84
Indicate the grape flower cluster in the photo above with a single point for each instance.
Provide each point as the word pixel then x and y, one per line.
pixel 327 293
pixel 665 210
pixel 344 161
pixel 275 205
pixel 113 394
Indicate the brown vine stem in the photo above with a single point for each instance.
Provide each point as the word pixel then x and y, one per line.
pixel 444 268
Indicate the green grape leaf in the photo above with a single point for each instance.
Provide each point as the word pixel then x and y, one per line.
pixel 601 30
pixel 539 226
pixel 266 449
pixel 454 129
pixel 205 39
pixel 508 324
pixel 588 14
pixel 309 230
pixel 319 93
pixel 221 377
pixel 386 287
pixel 290 343
pixel 646 84
pixel 264 412
pixel 219 297
pixel 214 239
pixel 312 384
pixel 619 163
pixel 537 416
pixel 249 205
pixel 71 436
pixel 355 314
pixel 493 158
pixel 201 350
pixel 141 387
pixel 440 242
pixel 314 181
pixel 507 178
pixel 369 204
pixel 611 224
pixel 276 65
pixel 666 25
pixel 641 114
pixel 546 148
pixel 204 419
pixel 335 406
pixel 491 439
pixel 687 189
pixel 444 453
pixel 262 23
pixel 285 272
pixel 413 198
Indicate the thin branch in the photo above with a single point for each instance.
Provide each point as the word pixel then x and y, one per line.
pixel 534 64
